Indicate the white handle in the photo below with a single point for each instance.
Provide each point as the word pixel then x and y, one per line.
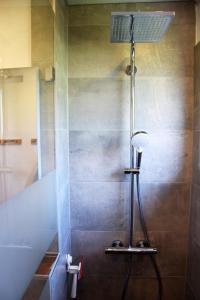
pixel 74 286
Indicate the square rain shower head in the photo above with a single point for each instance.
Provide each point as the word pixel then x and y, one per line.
pixel 139 27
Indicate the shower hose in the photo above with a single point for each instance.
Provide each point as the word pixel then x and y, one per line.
pixel 148 244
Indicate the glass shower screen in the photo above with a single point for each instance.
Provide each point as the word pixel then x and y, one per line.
pixel 18 130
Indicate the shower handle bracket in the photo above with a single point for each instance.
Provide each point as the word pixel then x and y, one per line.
pixel 133 171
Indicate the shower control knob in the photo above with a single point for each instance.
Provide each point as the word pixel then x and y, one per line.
pixel 117 244
pixel 142 244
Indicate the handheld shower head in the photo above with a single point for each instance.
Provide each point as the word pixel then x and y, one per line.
pixel 139 140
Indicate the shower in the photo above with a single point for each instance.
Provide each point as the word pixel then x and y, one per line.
pixel 137 27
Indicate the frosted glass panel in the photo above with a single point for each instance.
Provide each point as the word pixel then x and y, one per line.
pixel 19 95
pixel 28 226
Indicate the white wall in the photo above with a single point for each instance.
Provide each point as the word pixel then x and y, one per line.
pixel 15 33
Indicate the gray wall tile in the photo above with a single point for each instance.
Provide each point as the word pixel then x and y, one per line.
pixel 164 103
pixel 98 156
pixel 99 104
pixel 100 206
pixel 167 157
pixel 166 206
pixel 85 58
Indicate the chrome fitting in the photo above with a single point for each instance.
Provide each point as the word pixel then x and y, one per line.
pixel 131 250
pixel 132 171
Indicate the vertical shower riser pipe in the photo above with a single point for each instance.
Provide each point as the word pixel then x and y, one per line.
pixel 132 119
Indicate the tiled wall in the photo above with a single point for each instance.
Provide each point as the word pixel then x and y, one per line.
pixel 193 289
pixel 99 149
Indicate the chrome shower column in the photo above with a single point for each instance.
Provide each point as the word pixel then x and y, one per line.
pixel 132 125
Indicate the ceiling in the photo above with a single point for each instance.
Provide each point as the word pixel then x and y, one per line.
pixel 82 2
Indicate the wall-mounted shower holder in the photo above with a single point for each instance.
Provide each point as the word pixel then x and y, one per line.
pixel 74 271
pixel 128 70
pixel 132 171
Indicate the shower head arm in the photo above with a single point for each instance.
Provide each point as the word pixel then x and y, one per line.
pixel 132 29
pixel 132 88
